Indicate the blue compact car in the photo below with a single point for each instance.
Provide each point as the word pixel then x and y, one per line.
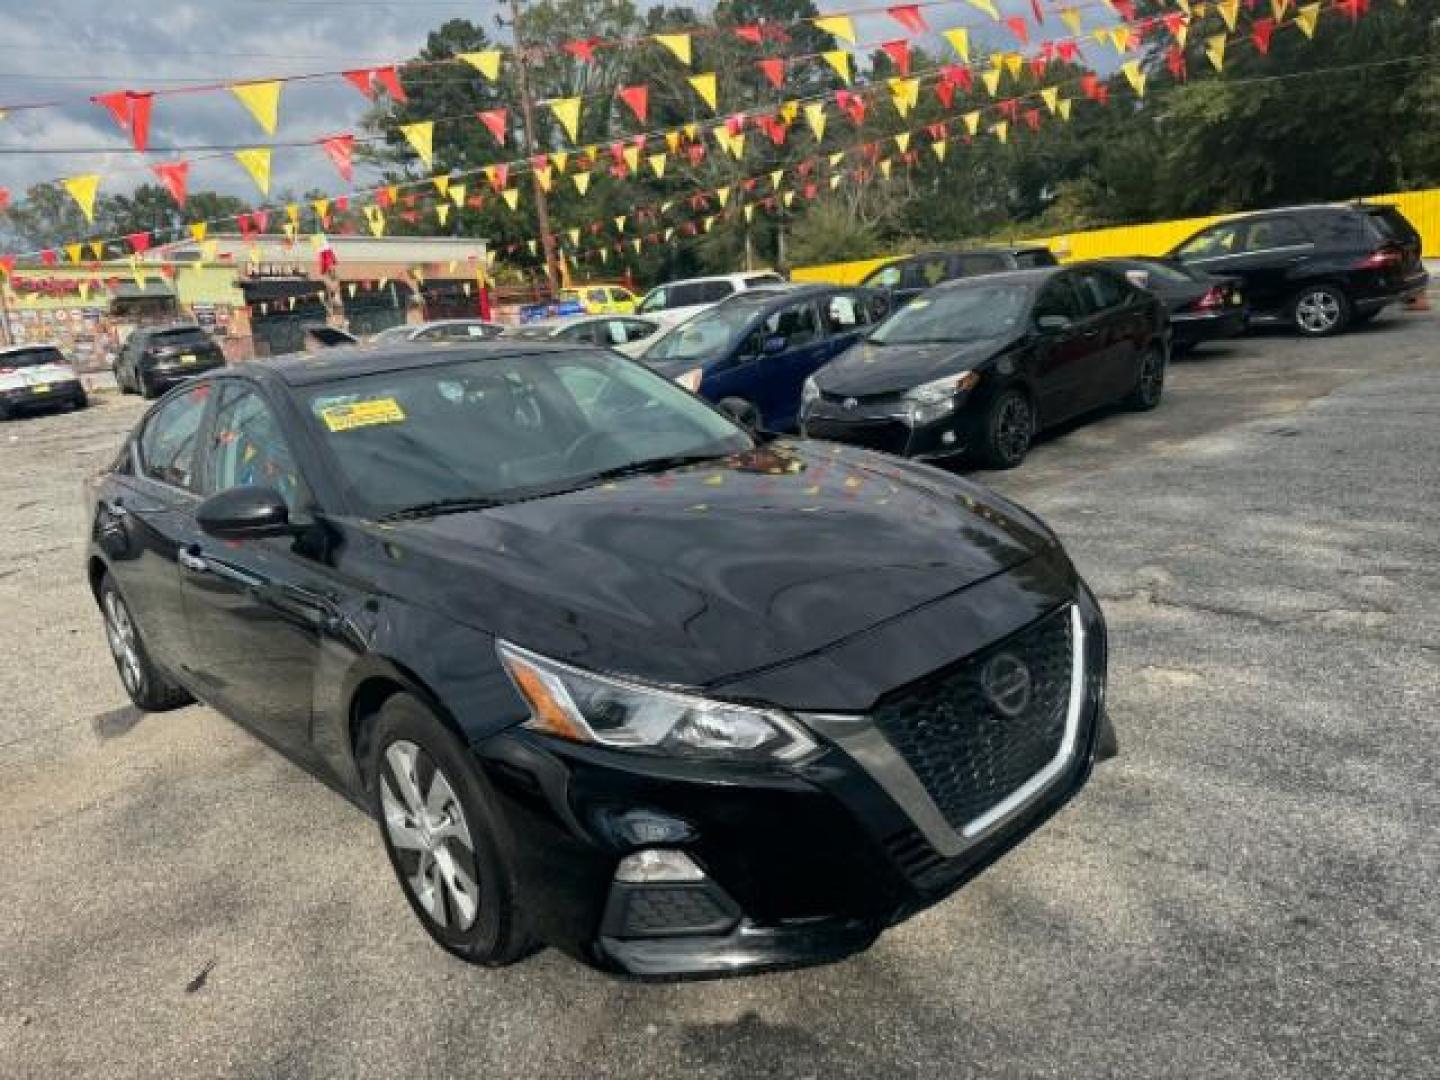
pixel 753 353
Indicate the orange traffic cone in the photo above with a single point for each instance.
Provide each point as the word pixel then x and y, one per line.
pixel 1418 302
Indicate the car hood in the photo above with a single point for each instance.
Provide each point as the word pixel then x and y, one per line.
pixel 867 369
pixel 700 574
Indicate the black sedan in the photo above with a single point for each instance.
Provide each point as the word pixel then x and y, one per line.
pixel 980 366
pixel 613 673
pixel 1202 307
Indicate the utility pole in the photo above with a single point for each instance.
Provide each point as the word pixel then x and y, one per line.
pixel 5 338
pixel 527 112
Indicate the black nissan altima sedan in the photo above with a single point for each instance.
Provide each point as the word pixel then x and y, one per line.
pixel 979 366
pixel 612 673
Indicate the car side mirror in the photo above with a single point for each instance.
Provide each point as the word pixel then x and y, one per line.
pixel 1053 324
pixel 245 513
pixel 775 345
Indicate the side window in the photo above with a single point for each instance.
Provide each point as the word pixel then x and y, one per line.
pixel 885 278
pixel 167 447
pixel 1214 243
pixel 845 313
pixel 972 265
pixel 1269 233
pixel 1029 260
pixel 879 306
pixel 612 331
pixel 712 292
pixel 597 296
pixel 797 324
pixel 1100 291
pixel 637 331
pixel 925 272
pixel 1058 298
pixel 685 296
pixel 247 448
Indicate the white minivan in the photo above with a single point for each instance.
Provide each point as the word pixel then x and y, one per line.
pixel 35 378
pixel 677 301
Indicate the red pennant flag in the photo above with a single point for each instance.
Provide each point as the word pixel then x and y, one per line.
pixel 261 219
pixel 342 204
pixel 1125 9
pixel 1260 31
pixel 139 242
pixel 389 78
pixel 475 202
pixel 140 119
pixel 1089 84
pixel 1032 118
pixel 696 151
pixel 582 50
pixel 411 216
pixel 175 176
pixel 497 122
pixel 499 177
pixel 945 91
pixel 410 199
pixel 539 161
pixel 852 105
pixel 735 123
pixel 4 199
pixel 776 129
pixel 1068 51
pixel 752 34
pixel 1174 22
pixel 247 225
pixel 363 79
pixel 1039 15
pixel 341 150
pixel 48 257
pixel 1010 107
pixel 119 105
pixel 638 98
pixel 958 75
pixel 1037 67
pixel 1175 61
pixel 617 153
pixel 7 265
pixel 1020 28
pixel 899 53
pixel 908 16
pixel 774 71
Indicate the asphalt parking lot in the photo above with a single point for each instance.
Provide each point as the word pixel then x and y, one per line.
pixel 1249 890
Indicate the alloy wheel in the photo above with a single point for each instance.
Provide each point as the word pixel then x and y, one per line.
pixel 1014 428
pixel 124 645
pixel 426 826
pixel 1317 311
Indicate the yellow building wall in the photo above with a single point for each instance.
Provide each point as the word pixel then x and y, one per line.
pixel 1422 208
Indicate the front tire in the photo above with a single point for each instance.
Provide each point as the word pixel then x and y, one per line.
pixel 1321 310
pixel 442 830
pixel 1008 430
pixel 147 390
pixel 1149 381
pixel 150 689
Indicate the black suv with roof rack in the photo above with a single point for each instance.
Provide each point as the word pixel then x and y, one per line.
pixel 904 279
pixel 1318 268
pixel 155 358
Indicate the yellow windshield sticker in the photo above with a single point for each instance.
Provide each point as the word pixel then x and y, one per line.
pixel 358 414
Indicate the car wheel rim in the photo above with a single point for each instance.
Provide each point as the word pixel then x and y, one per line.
pixel 1317 311
pixel 1013 428
pixel 120 632
pixel 426 826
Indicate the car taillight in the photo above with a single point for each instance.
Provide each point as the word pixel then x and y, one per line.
pixel 1384 259
pixel 1214 298
pixel 8 370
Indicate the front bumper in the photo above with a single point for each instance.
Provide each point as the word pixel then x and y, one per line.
pixel 37 398
pixel 804 865
pixel 170 372
pixel 891 430
pixel 1192 328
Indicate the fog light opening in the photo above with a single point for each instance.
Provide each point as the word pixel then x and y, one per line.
pixel 657 865
pixel 948 438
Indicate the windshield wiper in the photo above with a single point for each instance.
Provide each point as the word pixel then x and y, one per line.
pixel 440 506
pixel 650 465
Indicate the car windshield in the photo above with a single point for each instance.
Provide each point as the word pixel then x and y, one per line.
pixel 655 300
pixel 956 314
pixel 1162 271
pixel 706 336
pixel 394 333
pixel 417 441
pixel 31 358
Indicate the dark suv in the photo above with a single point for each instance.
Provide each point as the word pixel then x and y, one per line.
pixel 904 279
pixel 1320 268
pixel 154 358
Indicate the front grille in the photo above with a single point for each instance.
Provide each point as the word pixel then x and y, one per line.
pixel 968 752
pixel 887 436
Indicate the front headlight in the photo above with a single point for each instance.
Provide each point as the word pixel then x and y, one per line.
pixel 932 400
pixel 586 707
pixel 808 393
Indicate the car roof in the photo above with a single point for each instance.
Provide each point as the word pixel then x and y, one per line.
pixel 1028 278
pixel 473 321
pixel 983 249
pixel 1306 208
pixel 351 361
pixel 764 295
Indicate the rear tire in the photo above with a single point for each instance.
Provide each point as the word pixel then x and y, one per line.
pixel 1321 310
pixel 1149 381
pixel 1008 430
pixel 150 689
pixel 443 831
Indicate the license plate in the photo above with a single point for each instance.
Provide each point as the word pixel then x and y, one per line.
pixel 1236 299
pixel 188 358
pixel 41 388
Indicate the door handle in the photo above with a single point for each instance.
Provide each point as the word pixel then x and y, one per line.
pixel 193 562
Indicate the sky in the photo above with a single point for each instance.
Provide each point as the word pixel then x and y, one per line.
pixel 67 50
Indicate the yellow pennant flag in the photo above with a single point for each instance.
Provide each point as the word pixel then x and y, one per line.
pixel 776 177
pixel 991 79
pixel 198 232
pixel 835 182
pixel 723 195
pixel 292 211
pixel 560 159
pixel 1071 18
pixel 1014 63
pixel 672 140
pixel 97 249
pixel 135 273
pixel 972 121
pixel 487 63
pixel 1064 108
pixel 1001 130
pixel 789 111
pixel 582 183
pixel 544 176
pixel 567 113
pixel 840 26
pixel 939 146
pixel 658 163
pixel 321 208
pixel 905 94
pixel 679 44
pixel 692 132
pixel 209 251
pixel 885 167
pixel 1230 12
pixel 1278 8
pixel 1306 16
pixel 83 190
pixel 574 235
pixel 263 101
pixel 511 197
pixel 442 212
pixel 632 158
pixel 1135 76
pixel 1215 48
pixel 1051 96
pixel 421 138
pixel 1120 38
pixel 839 59
pixel 256 162
pixel 1184 6
pixel 988 7
pixel 836 158
pixel 787 198
pixel 959 40
pixel 669 233
pixel 457 194
pixel 620 223
pixel 736 146
pixel 749 214
pixel 442 184
pixel 704 85
pixel 376 218
pixel 815 117
pixel 903 141
pixel 76 252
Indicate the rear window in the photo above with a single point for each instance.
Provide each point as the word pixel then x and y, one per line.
pixel 1392 225
pixel 1036 257
pixel 32 358
pixel 974 265
pixel 191 336
pixel 763 279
